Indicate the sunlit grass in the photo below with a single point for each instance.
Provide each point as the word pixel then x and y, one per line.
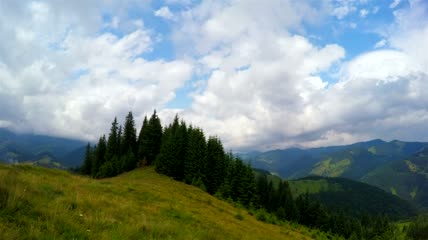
pixel 40 203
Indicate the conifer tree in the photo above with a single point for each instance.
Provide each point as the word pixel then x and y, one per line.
pixel 155 137
pixel 143 139
pixel 216 166
pixel 112 142
pixel 168 155
pixel 99 157
pixel 194 161
pixel 87 164
pixel 129 141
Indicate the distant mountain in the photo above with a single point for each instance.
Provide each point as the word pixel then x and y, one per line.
pixel 407 177
pixel 397 167
pixel 352 197
pixel 41 150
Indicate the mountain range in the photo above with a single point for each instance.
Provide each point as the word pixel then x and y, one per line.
pixel 398 167
pixel 40 150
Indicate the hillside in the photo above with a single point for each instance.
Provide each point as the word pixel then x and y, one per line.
pixel 41 150
pixel 397 167
pixel 352 161
pixel 354 198
pixel 407 177
pixel 46 203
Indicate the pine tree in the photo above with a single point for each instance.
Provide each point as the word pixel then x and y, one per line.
pixel 150 139
pixel 99 157
pixel 143 139
pixel 112 142
pixel 194 162
pixel 216 167
pixel 129 141
pixel 166 160
pixel 155 137
pixel 87 164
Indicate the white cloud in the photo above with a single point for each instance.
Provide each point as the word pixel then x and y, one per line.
pixel 364 13
pixel 394 3
pixel 380 43
pixel 264 88
pixel 165 13
pixel 59 78
pixel 260 81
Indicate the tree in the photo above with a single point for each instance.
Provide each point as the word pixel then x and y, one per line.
pixel 112 142
pixel 150 139
pixel 216 167
pixel 87 164
pixel 99 157
pixel 143 139
pixel 129 140
pixel 194 161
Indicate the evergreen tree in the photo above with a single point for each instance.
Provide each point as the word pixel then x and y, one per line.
pixel 150 139
pixel 216 167
pixel 99 157
pixel 143 139
pixel 155 137
pixel 87 164
pixel 166 160
pixel 129 141
pixel 194 161
pixel 112 142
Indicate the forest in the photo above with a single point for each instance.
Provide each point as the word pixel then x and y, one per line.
pixel 183 152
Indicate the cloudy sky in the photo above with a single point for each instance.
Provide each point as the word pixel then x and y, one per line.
pixel 258 74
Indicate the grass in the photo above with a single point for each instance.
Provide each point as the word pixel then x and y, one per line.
pixel 39 203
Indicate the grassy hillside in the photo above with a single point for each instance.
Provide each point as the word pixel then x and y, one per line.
pixel 40 203
pixel 407 178
pixel 354 198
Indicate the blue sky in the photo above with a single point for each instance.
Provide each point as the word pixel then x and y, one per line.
pixel 258 74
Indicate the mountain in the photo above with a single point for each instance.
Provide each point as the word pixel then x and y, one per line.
pixel 352 197
pixel 397 167
pixel 407 177
pixel 42 150
pixel 40 203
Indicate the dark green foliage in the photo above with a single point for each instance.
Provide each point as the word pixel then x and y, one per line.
pixel 169 160
pixel 216 165
pixel 129 139
pixel 87 164
pixel 150 139
pixel 418 230
pixel 99 156
pixel 112 142
pixel 195 159
pixel 354 198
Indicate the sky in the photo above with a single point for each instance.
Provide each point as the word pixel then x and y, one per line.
pixel 258 74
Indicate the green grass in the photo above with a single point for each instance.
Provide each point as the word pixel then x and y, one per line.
pixel 39 203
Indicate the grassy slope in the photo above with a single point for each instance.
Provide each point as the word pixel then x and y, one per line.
pixel 52 204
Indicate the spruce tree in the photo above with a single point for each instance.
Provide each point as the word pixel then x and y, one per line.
pixel 194 161
pixel 99 157
pixel 216 168
pixel 112 142
pixel 87 164
pixel 155 137
pixel 129 141
pixel 143 139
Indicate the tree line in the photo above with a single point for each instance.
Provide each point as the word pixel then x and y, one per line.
pixel 183 152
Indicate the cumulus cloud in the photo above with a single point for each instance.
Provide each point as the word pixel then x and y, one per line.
pixel 265 87
pixel 59 78
pixel 165 13
pixel 260 81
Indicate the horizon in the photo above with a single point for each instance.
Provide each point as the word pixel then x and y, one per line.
pixel 259 75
